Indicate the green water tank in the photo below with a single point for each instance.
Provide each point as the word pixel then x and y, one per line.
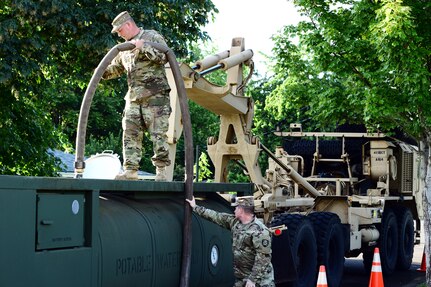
pixel 140 243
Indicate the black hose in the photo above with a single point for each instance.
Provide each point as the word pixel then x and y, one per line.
pixel 188 139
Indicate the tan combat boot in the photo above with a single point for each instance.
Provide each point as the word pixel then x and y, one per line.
pixel 160 174
pixel 128 174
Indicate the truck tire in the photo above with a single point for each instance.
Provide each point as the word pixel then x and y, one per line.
pixel 387 243
pixel 282 259
pixel 330 245
pixel 406 238
pixel 303 247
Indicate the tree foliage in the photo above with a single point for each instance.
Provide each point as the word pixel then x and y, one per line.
pixel 356 61
pixel 48 52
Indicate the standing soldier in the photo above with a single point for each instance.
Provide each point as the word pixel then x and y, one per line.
pixel 251 243
pixel 147 99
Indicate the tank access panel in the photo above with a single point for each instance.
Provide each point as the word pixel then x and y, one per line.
pixel 60 220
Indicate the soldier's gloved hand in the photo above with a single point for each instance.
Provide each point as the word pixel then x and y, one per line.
pixel 249 283
pixel 192 202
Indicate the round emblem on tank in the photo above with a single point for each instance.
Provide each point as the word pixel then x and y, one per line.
pixel 214 256
pixel 75 207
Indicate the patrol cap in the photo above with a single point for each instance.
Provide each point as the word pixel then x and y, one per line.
pixel 118 21
pixel 244 201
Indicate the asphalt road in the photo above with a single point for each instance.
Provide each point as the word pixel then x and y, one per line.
pixel 355 275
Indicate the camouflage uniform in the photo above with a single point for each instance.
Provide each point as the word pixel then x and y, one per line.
pixel 147 100
pixel 251 248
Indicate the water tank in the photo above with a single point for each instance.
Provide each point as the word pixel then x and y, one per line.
pixel 140 243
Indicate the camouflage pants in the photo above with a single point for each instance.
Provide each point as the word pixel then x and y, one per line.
pixel 149 114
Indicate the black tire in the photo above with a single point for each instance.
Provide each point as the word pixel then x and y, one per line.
pixel 303 247
pixel 282 259
pixel 406 238
pixel 388 242
pixel 330 245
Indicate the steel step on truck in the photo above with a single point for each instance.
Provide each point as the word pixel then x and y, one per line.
pixel 325 195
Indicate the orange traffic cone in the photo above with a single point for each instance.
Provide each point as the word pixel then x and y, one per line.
pixel 423 267
pixel 321 279
pixel 376 278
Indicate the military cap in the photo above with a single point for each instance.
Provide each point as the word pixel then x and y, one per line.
pixel 121 18
pixel 244 201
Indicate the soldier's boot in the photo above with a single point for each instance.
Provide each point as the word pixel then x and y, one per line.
pixel 160 174
pixel 128 174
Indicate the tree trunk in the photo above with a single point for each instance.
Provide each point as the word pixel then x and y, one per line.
pixel 426 170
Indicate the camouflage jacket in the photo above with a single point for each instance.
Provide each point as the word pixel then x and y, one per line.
pixel 144 67
pixel 251 246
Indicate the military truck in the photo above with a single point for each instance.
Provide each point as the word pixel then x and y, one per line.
pixel 321 206
pixel 363 191
pixel 326 195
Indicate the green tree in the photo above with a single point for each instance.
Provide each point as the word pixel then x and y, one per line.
pixel 205 173
pixel 21 125
pixel 265 123
pixel 359 62
pixel 47 54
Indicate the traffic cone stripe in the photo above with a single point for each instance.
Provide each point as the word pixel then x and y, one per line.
pixel 321 279
pixel 376 268
pixel 376 259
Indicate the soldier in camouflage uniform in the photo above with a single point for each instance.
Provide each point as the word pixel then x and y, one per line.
pixel 251 243
pixel 147 99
